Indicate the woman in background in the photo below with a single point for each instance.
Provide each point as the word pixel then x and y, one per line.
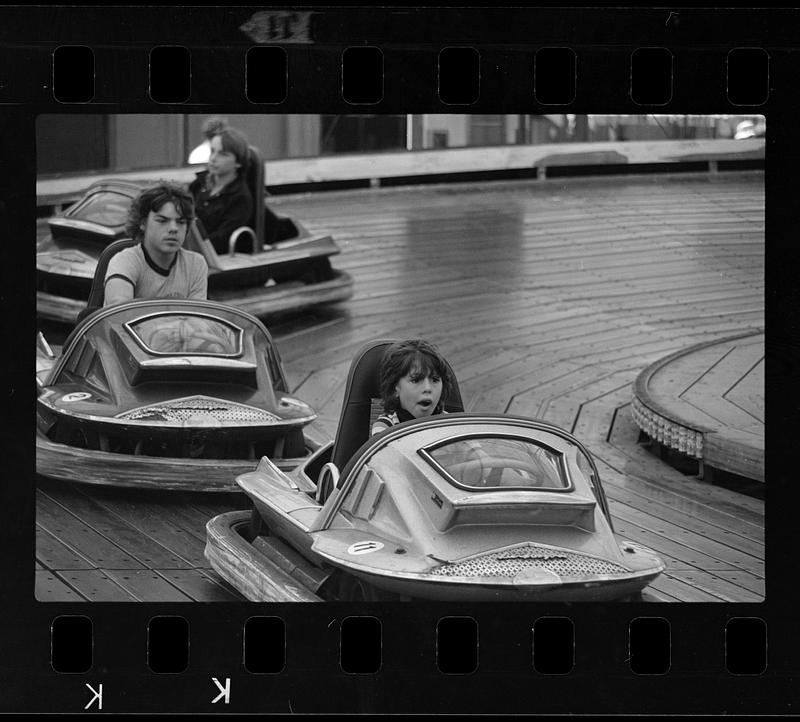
pixel 223 201
pixel 213 125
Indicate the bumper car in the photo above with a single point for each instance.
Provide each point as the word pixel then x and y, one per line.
pixel 454 507
pixel 275 265
pixel 166 394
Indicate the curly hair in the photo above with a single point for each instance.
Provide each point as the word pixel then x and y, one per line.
pixel 404 357
pixel 153 198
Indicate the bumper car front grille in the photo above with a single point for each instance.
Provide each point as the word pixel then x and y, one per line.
pixel 510 562
pixel 183 411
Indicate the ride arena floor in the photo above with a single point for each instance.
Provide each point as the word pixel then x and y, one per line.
pixel 548 298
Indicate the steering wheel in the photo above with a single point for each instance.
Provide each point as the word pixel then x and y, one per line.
pixel 208 345
pixel 472 470
pixel 522 470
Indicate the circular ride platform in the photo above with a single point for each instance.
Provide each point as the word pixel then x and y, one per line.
pixel 707 401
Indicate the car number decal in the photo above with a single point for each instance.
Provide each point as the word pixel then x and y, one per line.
pixel 364 547
pixel 75 396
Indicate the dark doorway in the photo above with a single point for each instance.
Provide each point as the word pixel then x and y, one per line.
pixel 362 133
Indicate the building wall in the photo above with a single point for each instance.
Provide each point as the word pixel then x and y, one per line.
pixel 487 129
pixel 302 136
pixel 86 143
pixel 145 141
pixel 69 143
pixel 453 128
pixel 276 136
pixel 266 132
pixel 362 133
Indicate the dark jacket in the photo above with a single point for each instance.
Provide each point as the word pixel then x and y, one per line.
pixel 223 213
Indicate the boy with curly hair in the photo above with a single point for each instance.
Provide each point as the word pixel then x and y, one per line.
pixel 159 267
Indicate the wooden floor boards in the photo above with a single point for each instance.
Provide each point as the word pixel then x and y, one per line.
pixel 548 298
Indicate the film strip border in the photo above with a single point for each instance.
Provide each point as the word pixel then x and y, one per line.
pixel 550 662
pixel 390 57
pixel 153 659
pixel 372 78
pixel 457 644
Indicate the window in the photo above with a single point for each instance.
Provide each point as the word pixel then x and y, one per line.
pixel 498 462
pixel 180 334
pixel 106 209
pixel 362 133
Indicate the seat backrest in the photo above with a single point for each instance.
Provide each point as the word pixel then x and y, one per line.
pixel 360 394
pixel 97 294
pixel 197 241
pixel 254 177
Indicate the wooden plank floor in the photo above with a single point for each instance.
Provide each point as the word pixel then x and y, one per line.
pixel 548 298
